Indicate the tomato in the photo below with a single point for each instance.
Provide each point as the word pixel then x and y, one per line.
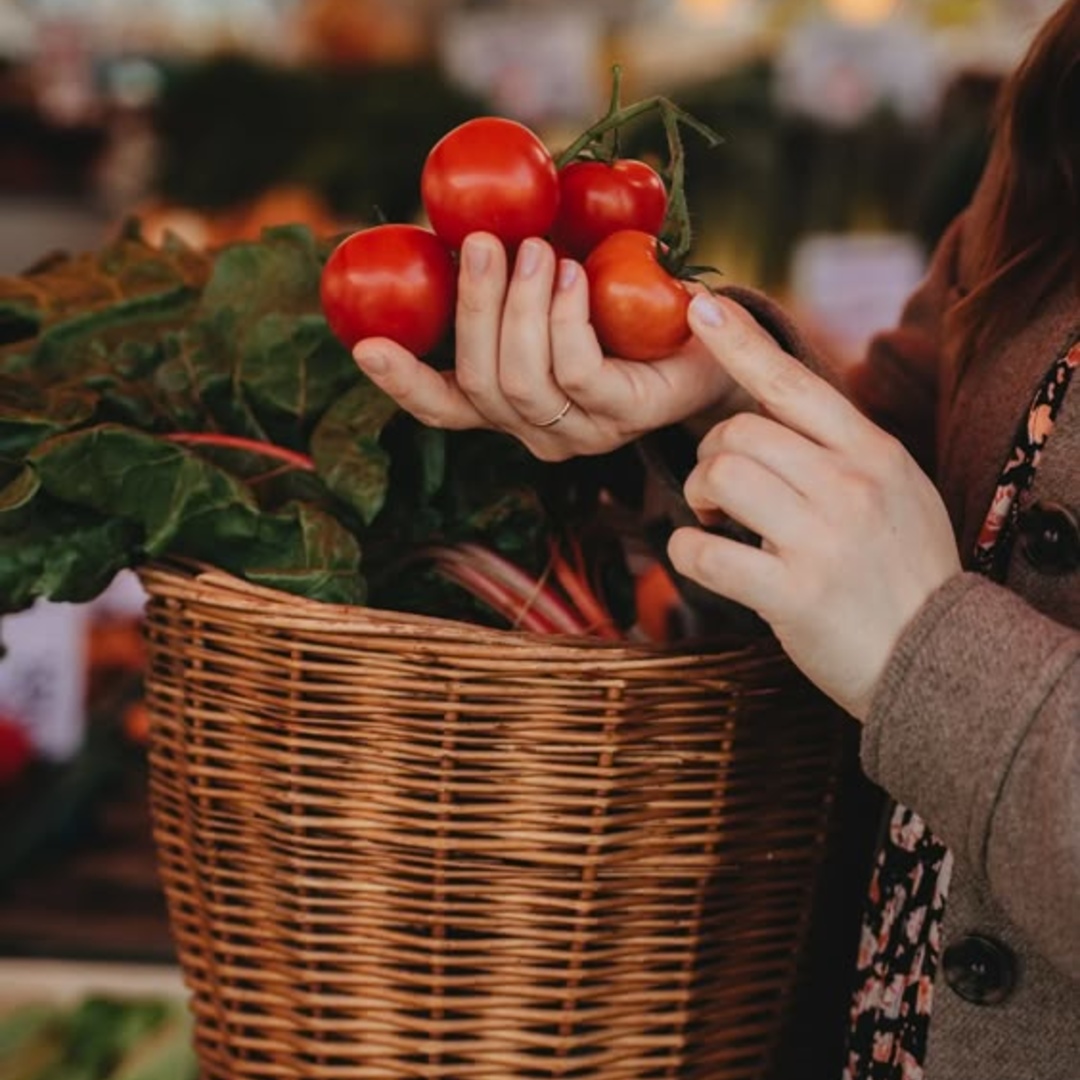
pixel 490 175
pixel 597 199
pixel 395 281
pixel 637 308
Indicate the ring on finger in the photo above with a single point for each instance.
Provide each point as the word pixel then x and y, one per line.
pixel 558 416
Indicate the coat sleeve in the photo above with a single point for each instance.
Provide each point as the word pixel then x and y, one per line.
pixel 989 752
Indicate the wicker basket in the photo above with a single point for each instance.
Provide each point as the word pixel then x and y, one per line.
pixel 398 847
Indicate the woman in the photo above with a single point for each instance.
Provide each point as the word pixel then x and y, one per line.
pixel 944 614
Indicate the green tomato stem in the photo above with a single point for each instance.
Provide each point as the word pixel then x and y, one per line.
pixel 620 115
pixel 601 142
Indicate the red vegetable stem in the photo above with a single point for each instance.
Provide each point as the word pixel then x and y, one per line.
pixel 238 442
pixel 582 596
pixel 543 599
pixel 496 596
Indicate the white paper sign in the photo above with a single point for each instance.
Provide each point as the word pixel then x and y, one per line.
pixel 855 285
pixel 125 598
pixel 839 74
pixel 43 676
pixel 537 66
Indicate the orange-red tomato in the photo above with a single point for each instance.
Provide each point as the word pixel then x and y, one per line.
pixel 658 603
pixel 637 308
pixel 135 722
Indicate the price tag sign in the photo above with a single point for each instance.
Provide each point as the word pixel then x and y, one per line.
pixel 43 676
pixel 125 598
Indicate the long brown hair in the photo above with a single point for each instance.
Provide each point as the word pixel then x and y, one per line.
pixel 1033 243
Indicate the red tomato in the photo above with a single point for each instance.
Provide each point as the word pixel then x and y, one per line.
pixel 395 281
pixel 597 199
pixel 490 175
pixel 637 308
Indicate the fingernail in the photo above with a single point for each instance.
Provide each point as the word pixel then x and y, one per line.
pixel 568 272
pixel 707 309
pixel 477 256
pixel 371 361
pixel 528 259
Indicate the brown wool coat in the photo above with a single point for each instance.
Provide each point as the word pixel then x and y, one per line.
pixel 976 721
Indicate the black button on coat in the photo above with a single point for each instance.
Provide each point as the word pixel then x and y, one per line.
pixel 1050 537
pixel 980 969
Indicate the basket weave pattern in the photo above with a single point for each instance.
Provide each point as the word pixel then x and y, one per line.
pixel 404 847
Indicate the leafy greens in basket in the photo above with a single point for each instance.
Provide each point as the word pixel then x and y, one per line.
pixel 170 403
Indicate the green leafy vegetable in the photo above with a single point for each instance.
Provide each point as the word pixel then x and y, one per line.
pixel 166 403
pixel 347 451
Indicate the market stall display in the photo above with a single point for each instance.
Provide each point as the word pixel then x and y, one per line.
pixel 422 788
pixel 79 1021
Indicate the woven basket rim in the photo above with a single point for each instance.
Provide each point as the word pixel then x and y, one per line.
pixel 208 585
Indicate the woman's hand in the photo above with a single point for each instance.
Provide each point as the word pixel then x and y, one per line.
pixel 528 363
pixel 855 537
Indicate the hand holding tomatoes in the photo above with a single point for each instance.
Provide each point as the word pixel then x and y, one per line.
pixel 398 281
pixel 524 346
pixel 530 349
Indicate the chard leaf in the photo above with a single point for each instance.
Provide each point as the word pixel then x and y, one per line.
pixel 291 370
pixel 100 338
pixel 348 455
pixel 31 412
pixel 198 380
pixel 278 273
pixel 60 553
pixel 64 285
pixel 180 504
pixel 18 493
pixel 257 357
pixel 261 310
pixel 305 551
pixel 431 447
pixel 169 492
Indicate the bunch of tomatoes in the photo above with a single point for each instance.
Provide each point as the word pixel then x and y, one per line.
pixel 495 175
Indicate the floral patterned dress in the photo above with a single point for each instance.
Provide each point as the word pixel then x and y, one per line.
pixel 900 944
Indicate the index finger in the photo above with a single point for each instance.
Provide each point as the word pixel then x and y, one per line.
pixel 787 389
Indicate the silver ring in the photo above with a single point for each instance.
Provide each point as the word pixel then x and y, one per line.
pixel 557 417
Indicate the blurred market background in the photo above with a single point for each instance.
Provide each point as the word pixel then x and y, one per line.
pixel 854 130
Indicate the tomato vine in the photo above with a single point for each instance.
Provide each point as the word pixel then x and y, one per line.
pixel 600 142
